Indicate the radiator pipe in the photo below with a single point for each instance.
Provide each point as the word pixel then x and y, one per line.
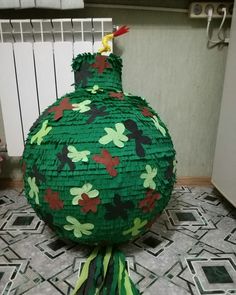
pixel 137 7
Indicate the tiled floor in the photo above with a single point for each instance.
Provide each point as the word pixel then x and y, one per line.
pixel 189 250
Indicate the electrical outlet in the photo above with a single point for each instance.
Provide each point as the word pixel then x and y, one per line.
pixel 200 9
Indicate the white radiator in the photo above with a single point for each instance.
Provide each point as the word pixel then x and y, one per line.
pixel 35 67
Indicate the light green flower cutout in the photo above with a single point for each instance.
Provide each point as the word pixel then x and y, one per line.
pixel 148 177
pixel 76 155
pixel 78 228
pixel 95 89
pixel 158 126
pixel 34 190
pixel 41 133
pixel 135 230
pixel 82 107
pixel 85 189
pixel 116 135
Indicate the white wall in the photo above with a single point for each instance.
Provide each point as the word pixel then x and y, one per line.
pixel 166 60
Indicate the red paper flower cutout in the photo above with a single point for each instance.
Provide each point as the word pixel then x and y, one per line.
pixel 89 204
pixel 146 112
pixel 53 199
pixel 148 203
pixel 107 160
pixel 118 95
pixel 101 63
pixel 64 105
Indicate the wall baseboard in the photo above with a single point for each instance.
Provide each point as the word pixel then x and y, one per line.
pixel 194 181
pixel 6 183
pixel 181 181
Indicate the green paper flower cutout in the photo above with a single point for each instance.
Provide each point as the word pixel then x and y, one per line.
pixel 76 155
pixel 115 135
pixel 95 89
pixel 39 136
pixel 82 107
pixel 85 189
pixel 148 177
pixel 158 126
pixel 135 230
pixel 34 190
pixel 78 228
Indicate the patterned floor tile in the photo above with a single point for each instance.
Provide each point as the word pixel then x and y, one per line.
pixel 189 250
pixel 165 287
pixel 43 288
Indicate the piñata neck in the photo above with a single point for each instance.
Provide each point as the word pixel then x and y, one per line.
pixel 96 69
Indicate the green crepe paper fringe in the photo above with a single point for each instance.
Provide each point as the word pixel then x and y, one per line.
pixel 111 76
pixel 72 129
pixel 105 273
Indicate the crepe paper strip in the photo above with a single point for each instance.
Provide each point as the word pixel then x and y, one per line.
pixel 85 189
pixel 59 109
pixel 148 177
pixel 105 273
pixel 135 230
pixel 88 287
pixel 89 204
pixel 83 74
pixel 146 112
pixel 115 135
pixel 119 209
pixel 76 155
pixel 78 228
pixel 105 264
pixel 158 126
pixel 125 286
pixel 39 136
pixel 94 112
pixel 114 272
pixel 101 63
pixel 63 159
pixel 82 107
pixel 148 203
pixel 53 199
pixel 94 90
pixel 34 190
pixel 84 274
pixel 121 270
pixel 107 160
pixel 98 272
pixel 138 136
pixel 119 95
pixel 122 30
pixel 38 176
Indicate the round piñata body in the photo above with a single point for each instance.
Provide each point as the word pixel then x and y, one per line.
pixel 99 163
